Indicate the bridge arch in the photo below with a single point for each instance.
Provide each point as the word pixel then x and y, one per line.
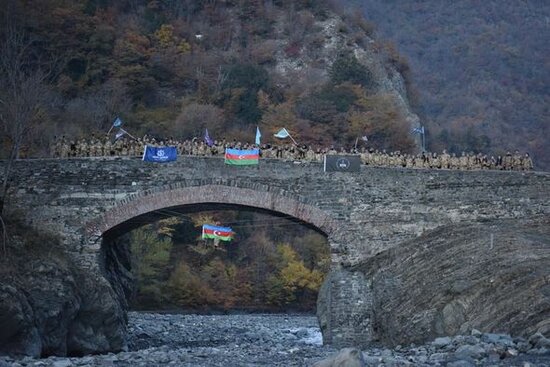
pixel 120 217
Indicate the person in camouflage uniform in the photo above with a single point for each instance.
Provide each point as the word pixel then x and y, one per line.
pixel 527 162
pixel 463 162
pixel 107 148
pixel 517 161
pixel 454 162
pixel 507 161
pixel 445 160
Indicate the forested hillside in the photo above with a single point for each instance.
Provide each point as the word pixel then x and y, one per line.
pixel 480 70
pixel 272 264
pixel 174 68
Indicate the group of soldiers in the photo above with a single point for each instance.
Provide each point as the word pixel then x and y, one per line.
pixel 466 161
pixel 102 147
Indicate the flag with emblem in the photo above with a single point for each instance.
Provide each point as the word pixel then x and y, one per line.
pixel 159 154
pixel 239 157
pixel 216 232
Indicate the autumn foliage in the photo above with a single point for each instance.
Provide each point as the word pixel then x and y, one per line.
pixel 173 68
pixel 273 264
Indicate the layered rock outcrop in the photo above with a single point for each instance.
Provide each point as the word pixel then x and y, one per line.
pixel 494 277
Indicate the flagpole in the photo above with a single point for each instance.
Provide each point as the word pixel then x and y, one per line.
pixel 130 135
pixel 108 132
pixel 423 140
pixel 290 136
pixel 356 141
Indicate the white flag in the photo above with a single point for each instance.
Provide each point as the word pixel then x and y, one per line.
pixel 120 134
pixel 282 134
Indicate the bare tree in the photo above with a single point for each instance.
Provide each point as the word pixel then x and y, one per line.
pixel 221 79
pixel 98 109
pixel 23 89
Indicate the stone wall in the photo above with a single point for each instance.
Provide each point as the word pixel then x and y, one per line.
pixel 362 214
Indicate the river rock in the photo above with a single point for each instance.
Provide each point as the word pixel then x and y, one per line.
pixel 538 340
pixel 441 342
pixel 347 357
pixel 460 363
pixel 470 351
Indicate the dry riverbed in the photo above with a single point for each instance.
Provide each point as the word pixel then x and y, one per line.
pixel 285 340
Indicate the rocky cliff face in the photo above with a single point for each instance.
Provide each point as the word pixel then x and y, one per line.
pixel 117 267
pixel 492 277
pixel 315 59
pixel 49 307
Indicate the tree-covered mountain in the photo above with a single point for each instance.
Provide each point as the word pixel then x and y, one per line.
pixel 174 68
pixel 480 70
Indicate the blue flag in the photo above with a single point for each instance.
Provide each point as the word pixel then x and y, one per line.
pixel 258 136
pixel 207 139
pixel 118 122
pixel 160 154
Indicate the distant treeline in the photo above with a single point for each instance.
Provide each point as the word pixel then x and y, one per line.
pixel 479 68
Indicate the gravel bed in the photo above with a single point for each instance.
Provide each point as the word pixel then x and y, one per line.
pixel 286 340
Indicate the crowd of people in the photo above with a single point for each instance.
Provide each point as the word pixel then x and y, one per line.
pixel 101 147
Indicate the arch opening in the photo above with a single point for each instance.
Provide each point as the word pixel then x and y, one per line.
pixel 157 260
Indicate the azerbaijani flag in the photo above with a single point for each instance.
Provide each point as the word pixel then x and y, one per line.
pixel 215 232
pixel 237 157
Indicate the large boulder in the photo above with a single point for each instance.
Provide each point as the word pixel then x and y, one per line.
pixel 18 334
pixel 347 357
pixel 48 314
pixel 99 326
pixel 52 293
pixel 491 277
pixel 49 306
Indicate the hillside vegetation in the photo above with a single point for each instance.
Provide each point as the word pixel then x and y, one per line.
pixel 480 70
pixel 272 264
pixel 174 68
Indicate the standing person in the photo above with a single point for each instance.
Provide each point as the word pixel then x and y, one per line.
pixel 498 164
pixel 463 161
pixel 517 161
pixel 527 162
pixel 454 162
pixel 507 161
pixel 107 148
pixel 445 160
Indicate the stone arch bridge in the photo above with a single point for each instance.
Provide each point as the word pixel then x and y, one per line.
pixel 362 214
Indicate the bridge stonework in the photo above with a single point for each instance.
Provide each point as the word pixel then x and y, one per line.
pixel 361 214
